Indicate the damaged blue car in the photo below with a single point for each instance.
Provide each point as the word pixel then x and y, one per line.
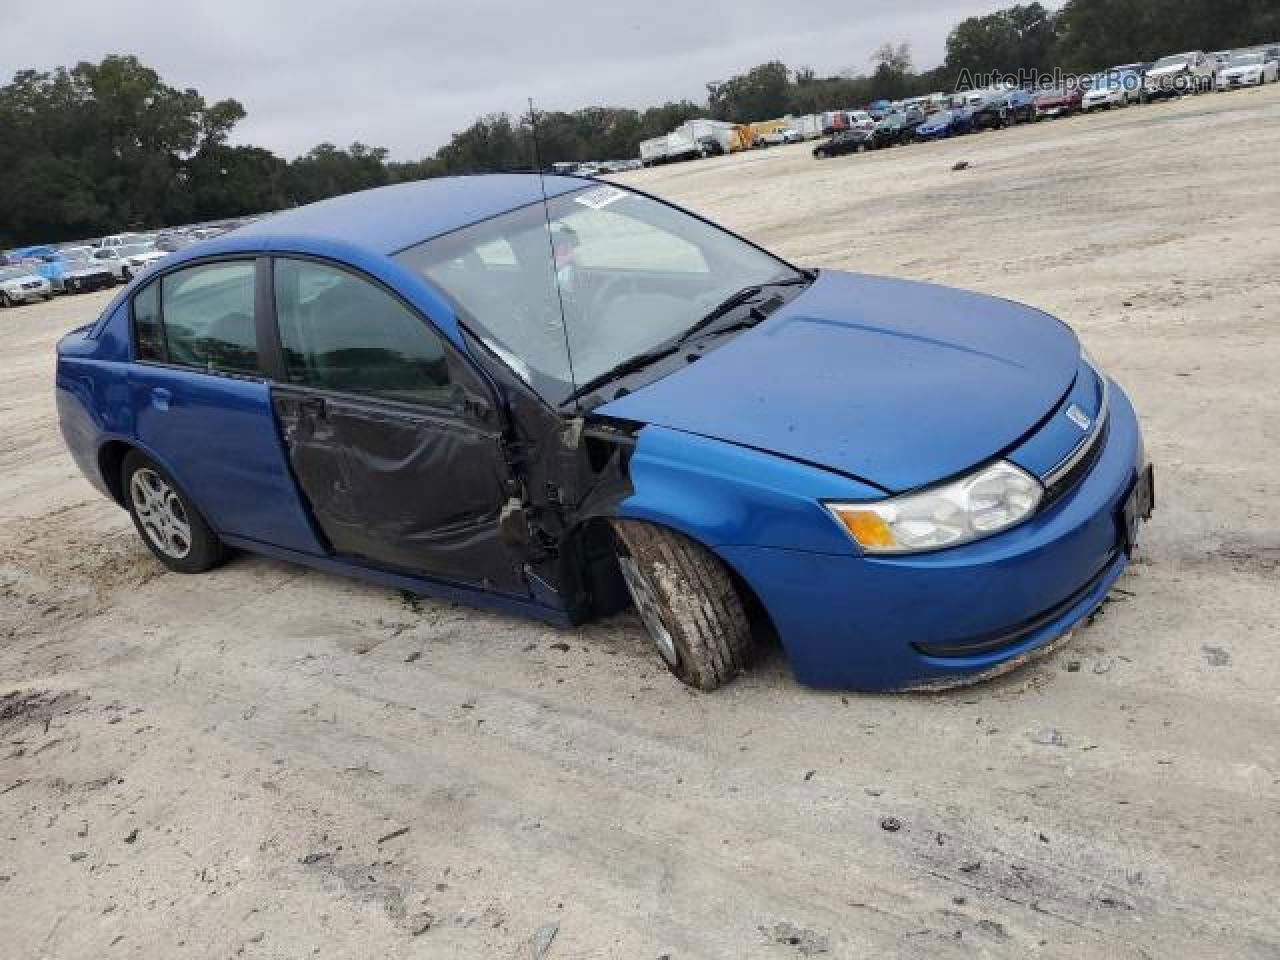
pixel 560 397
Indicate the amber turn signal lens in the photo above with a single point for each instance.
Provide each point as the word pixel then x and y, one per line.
pixel 867 528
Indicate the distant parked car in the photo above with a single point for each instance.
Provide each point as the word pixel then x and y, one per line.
pixel 861 120
pixel 81 273
pixel 946 123
pixel 173 242
pixel 896 128
pixel 994 111
pixel 1181 73
pixel 1019 106
pixel 126 262
pixel 776 138
pixel 20 285
pixel 1058 103
pixel 845 141
pixel 1110 89
pixel 1248 70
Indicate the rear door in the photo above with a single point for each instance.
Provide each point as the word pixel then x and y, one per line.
pixel 394 439
pixel 201 403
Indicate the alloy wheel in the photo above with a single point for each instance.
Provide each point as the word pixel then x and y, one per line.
pixel 161 513
pixel 647 606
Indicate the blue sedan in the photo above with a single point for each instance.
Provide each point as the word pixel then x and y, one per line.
pixel 946 123
pixel 563 403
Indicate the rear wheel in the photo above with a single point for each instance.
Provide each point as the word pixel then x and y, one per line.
pixel 168 523
pixel 687 602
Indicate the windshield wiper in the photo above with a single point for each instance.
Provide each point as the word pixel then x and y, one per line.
pixel 630 365
pixel 642 360
pixel 745 295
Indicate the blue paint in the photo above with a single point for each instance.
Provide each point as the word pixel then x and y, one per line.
pixel 898 383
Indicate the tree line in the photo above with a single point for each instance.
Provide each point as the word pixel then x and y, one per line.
pixel 95 148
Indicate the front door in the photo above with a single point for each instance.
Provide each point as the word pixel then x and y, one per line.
pixel 394 439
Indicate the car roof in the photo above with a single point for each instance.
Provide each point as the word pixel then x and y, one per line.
pixel 385 220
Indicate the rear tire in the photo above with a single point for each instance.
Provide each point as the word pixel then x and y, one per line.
pixel 687 601
pixel 167 521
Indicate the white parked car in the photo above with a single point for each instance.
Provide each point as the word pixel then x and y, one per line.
pixel 861 120
pixel 1111 89
pixel 125 239
pixel 127 261
pixel 1181 73
pixel 1248 70
pixel 782 135
pixel 20 285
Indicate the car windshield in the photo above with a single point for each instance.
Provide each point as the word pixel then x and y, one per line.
pixel 942 116
pixel 630 274
pixel 75 261
pixel 133 249
pixel 1246 60
pixel 1179 60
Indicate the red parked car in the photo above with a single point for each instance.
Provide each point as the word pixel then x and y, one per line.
pixel 1058 103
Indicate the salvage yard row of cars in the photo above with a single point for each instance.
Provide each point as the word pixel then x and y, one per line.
pixel 932 118
pixel 40 272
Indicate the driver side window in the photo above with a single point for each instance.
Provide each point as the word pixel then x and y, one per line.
pixel 340 332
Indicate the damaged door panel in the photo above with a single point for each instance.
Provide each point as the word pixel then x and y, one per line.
pixel 416 490
pixel 573 474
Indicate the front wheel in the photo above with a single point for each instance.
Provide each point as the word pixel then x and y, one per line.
pixel 687 601
pixel 168 523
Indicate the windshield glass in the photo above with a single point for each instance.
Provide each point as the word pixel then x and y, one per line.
pixel 632 274
pixel 1246 60
pixel 1177 61
pixel 133 249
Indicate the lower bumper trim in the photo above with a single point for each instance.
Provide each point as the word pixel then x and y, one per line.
pixel 994 642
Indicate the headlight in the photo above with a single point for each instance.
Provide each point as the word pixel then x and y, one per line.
pixel 994 498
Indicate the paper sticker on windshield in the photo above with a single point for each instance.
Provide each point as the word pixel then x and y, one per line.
pixel 600 197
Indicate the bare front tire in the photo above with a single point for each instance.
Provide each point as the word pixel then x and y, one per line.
pixel 687 601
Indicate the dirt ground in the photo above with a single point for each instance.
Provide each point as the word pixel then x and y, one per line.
pixel 272 762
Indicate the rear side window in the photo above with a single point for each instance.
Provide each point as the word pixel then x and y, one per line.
pixel 201 317
pixel 207 313
pixel 341 332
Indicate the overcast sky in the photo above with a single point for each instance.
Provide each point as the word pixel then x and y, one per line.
pixel 405 75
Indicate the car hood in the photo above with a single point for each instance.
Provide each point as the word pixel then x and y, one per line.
pixel 1156 74
pixel 894 382
pixel 1240 71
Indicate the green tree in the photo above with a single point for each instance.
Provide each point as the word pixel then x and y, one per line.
pixel 759 94
pixel 1019 38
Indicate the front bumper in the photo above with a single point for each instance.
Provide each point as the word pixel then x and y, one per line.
pixel 23 295
pixel 937 619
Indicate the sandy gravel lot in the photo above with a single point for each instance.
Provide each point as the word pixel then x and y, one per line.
pixel 271 762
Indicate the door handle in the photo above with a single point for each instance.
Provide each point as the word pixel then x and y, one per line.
pixel 160 398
